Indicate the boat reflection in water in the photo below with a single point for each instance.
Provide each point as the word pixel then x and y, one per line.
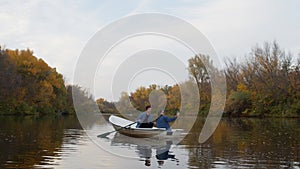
pixel 145 148
pixel 164 153
pixel 145 153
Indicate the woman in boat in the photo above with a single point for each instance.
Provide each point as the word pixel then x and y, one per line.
pixel 163 121
pixel 144 120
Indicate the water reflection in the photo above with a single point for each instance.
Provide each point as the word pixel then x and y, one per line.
pixel 145 152
pixel 59 142
pixel 29 141
pixel 164 153
pixel 145 148
pixel 249 143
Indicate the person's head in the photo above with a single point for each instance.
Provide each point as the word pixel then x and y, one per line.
pixel 148 108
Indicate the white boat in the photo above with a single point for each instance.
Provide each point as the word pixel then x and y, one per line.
pixel 121 125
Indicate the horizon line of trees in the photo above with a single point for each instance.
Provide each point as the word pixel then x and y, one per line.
pixel 266 83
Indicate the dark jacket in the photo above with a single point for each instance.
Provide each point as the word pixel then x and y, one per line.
pixel 163 122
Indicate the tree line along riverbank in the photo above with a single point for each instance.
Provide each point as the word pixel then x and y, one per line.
pixel 265 84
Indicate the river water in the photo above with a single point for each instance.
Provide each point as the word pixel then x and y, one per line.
pixel 60 142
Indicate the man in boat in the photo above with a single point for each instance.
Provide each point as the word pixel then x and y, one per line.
pixel 163 121
pixel 144 120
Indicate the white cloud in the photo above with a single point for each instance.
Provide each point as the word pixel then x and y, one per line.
pixel 235 26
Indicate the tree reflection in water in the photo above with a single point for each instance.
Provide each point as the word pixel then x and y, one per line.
pixel 30 141
pixel 33 142
pixel 247 142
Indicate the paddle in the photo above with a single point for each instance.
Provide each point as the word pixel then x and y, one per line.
pixel 108 133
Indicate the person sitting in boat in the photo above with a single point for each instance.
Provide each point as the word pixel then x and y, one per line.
pixel 144 120
pixel 163 121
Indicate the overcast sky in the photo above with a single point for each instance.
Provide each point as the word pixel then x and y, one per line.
pixel 57 30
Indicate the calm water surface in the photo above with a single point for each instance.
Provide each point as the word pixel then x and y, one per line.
pixel 59 142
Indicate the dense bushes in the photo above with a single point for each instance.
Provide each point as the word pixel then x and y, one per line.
pixel 29 86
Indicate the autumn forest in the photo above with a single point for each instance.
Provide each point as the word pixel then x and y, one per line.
pixel 265 84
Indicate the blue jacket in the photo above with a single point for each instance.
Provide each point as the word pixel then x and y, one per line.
pixel 163 122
